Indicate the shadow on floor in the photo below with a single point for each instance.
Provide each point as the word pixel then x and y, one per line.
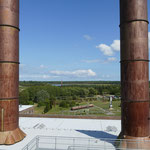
pixel 98 134
pixel 103 136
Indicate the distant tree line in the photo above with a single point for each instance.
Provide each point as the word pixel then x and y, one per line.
pixel 66 96
pixel 65 83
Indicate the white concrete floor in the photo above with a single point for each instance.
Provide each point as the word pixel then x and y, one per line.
pixel 65 127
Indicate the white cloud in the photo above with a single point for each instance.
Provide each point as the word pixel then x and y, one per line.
pixel 34 73
pixel 105 49
pixel 87 37
pixel 109 50
pixel 36 76
pixel 42 66
pixel 91 61
pixel 46 76
pixel 112 59
pixel 88 72
pixel 116 45
pixel 76 73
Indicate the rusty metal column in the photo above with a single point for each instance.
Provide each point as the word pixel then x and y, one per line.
pixel 9 72
pixel 134 69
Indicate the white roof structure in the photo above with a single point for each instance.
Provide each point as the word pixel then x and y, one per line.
pixel 24 107
pixel 82 128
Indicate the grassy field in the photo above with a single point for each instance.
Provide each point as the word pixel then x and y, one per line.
pixel 100 108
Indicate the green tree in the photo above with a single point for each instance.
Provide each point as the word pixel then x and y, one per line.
pixel 32 93
pixel 24 97
pixel 92 92
pixel 63 104
pixel 52 100
pixel 72 104
pixel 84 92
pixel 74 97
pixel 105 91
pixel 42 96
pixel 47 106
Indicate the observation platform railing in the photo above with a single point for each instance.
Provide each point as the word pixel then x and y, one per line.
pixel 78 143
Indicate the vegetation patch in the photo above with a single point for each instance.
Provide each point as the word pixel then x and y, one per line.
pixel 50 99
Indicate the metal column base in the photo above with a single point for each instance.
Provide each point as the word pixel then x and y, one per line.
pixel 130 142
pixel 11 137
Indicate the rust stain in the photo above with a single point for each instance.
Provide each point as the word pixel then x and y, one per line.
pixel 134 68
pixel 9 72
pixel 2 119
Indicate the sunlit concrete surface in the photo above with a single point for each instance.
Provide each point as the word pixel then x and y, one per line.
pixel 86 128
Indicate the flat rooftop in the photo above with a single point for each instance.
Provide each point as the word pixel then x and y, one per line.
pixel 24 107
pixel 82 128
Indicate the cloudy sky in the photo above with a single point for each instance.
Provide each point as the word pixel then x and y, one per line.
pixel 70 40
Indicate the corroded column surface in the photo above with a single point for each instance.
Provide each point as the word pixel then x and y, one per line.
pixel 9 72
pixel 134 69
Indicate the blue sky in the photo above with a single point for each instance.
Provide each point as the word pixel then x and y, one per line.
pixel 69 40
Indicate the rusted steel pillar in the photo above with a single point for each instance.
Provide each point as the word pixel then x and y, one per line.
pixel 134 69
pixel 9 72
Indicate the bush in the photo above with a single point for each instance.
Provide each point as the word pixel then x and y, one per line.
pixel 47 108
pixel 24 97
pixel 63 104
pixel 30 103
pixel 72 103
pixel 51 104
pixel 74 97
pixel 92 92
pixel 40 104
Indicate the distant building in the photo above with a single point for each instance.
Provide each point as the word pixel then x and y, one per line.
pixel 26 109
